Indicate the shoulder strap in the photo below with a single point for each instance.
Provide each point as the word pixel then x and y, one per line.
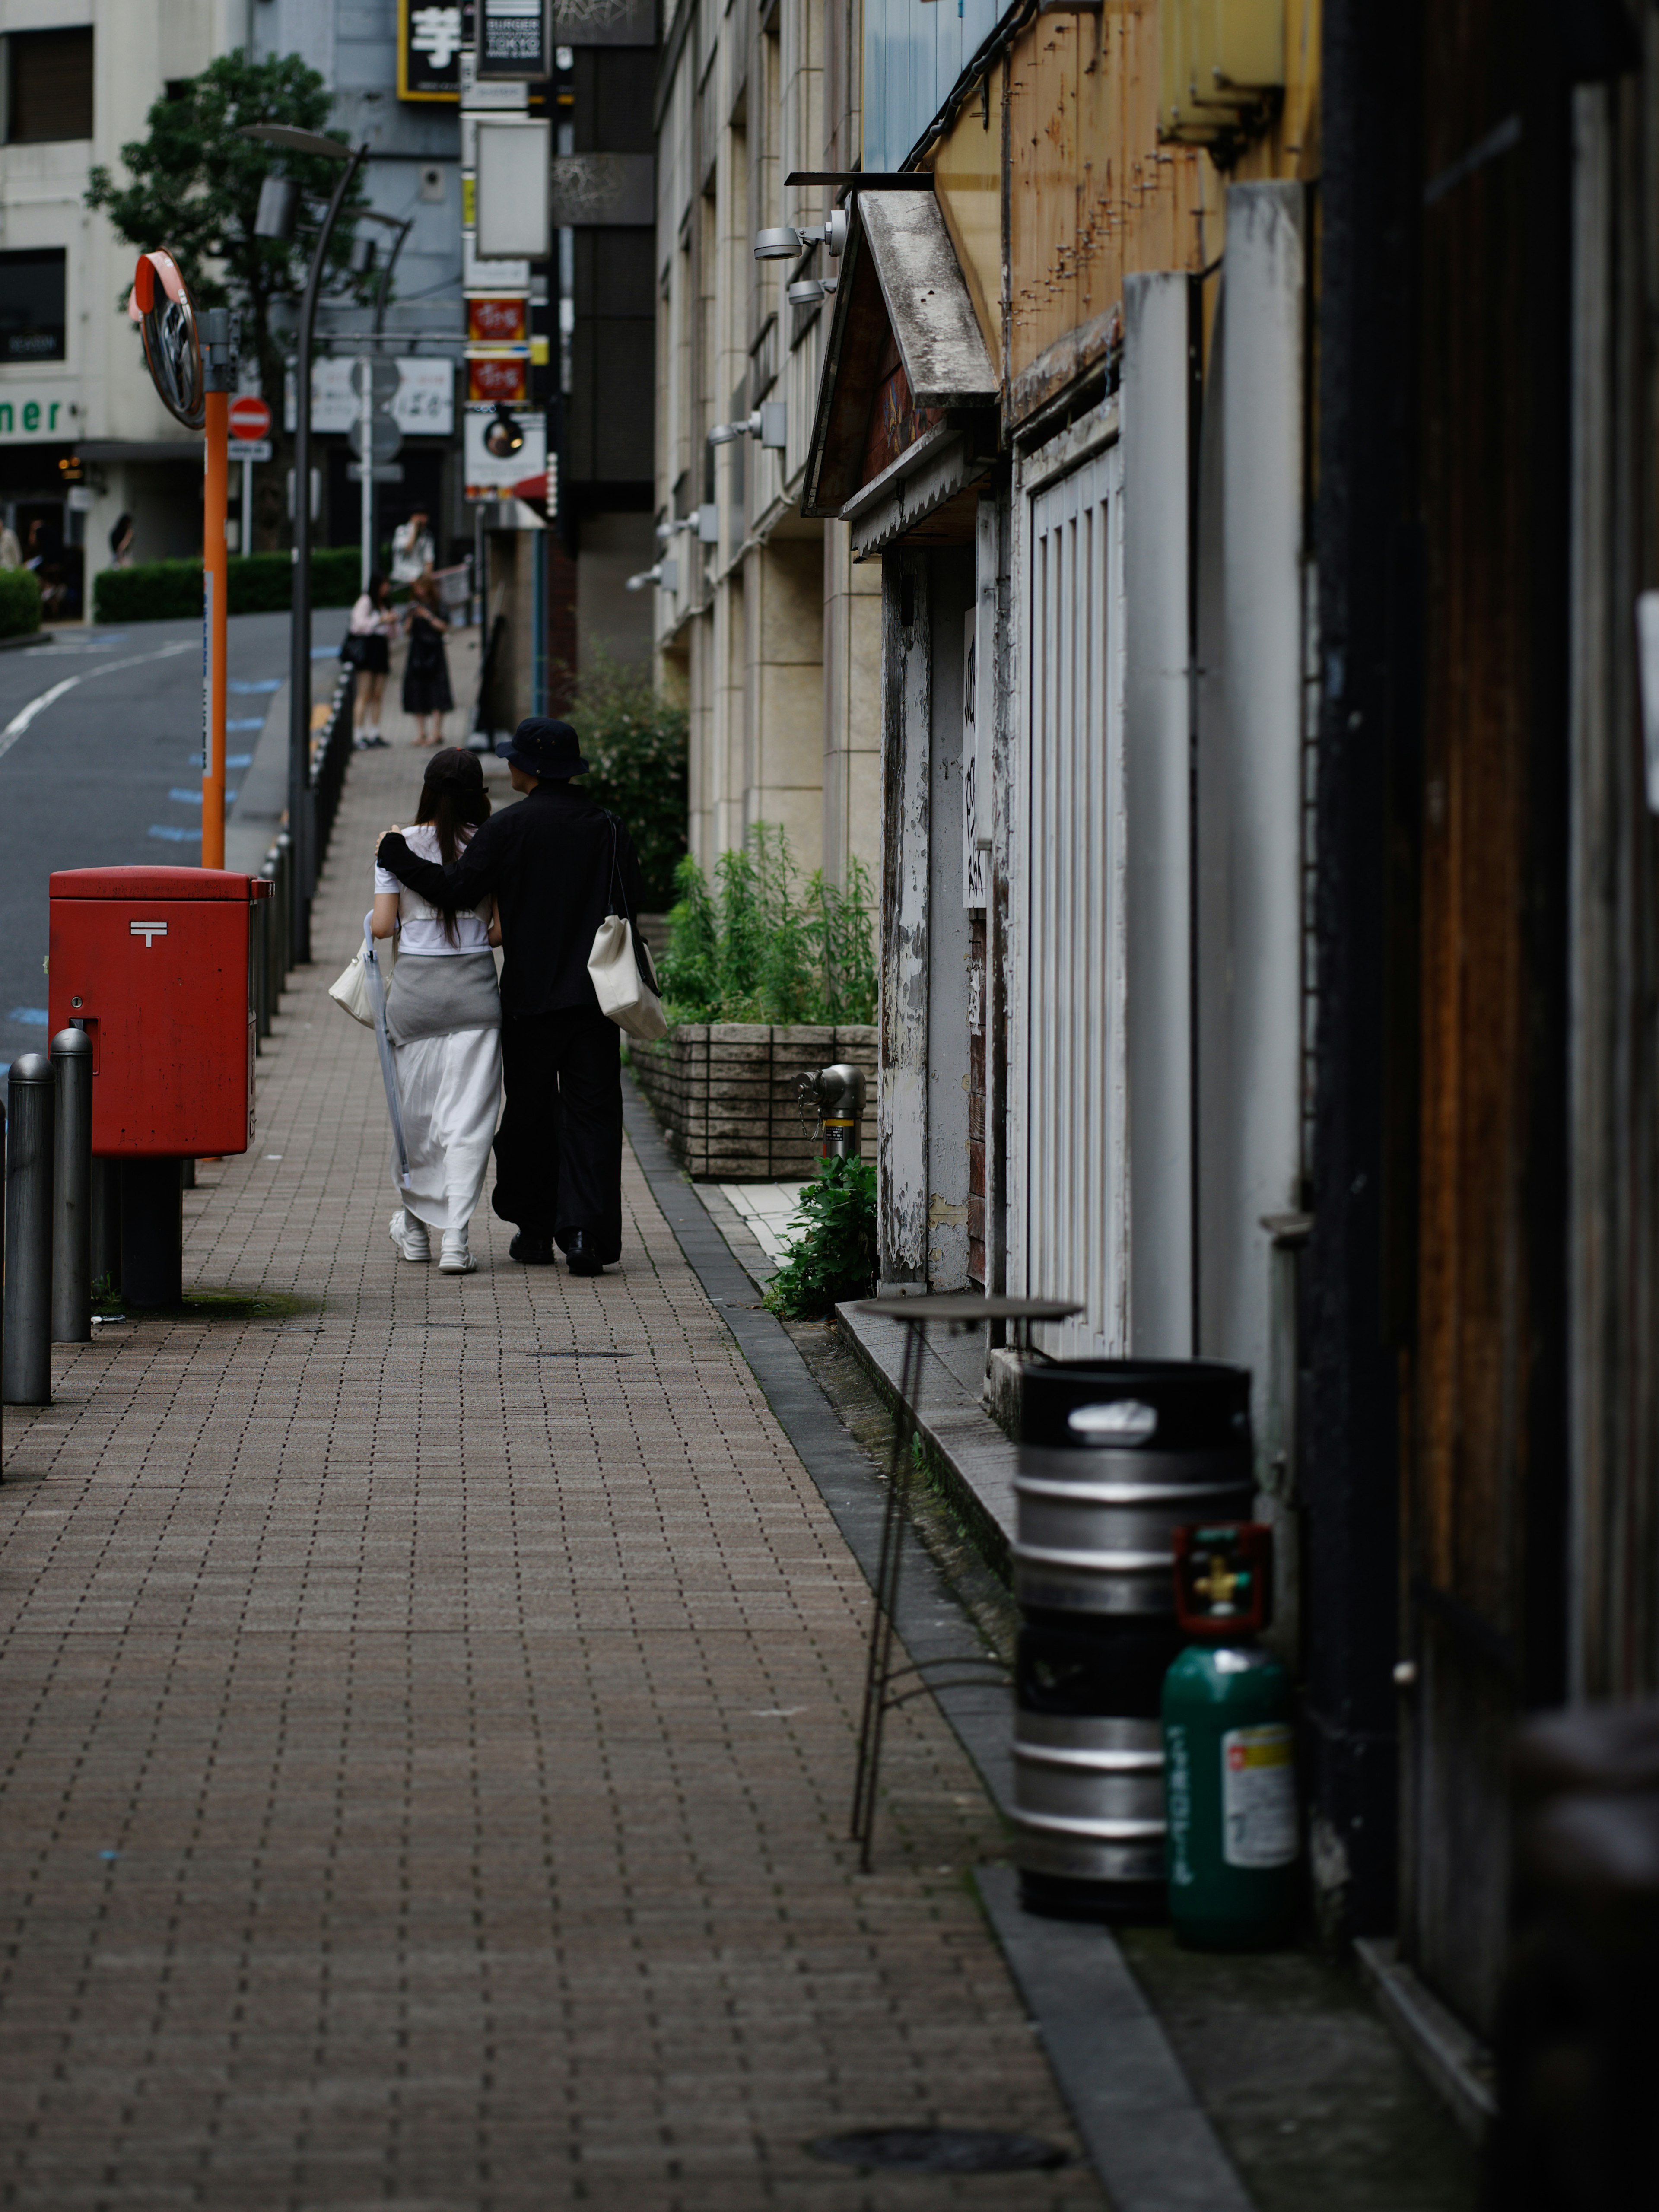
pixel 616 883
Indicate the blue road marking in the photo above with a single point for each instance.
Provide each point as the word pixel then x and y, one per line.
pixel 239 760
pixel 325 652
pixel 34 1018
pixel 266 683
pixel 175 837
pixel 257 722
pixel 194 798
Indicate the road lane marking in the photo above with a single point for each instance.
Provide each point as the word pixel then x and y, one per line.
pixel 21 719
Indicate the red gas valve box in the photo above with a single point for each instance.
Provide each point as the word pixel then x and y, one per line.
pixel 155 961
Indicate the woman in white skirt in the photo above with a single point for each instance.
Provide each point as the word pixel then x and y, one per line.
pixel 443 1018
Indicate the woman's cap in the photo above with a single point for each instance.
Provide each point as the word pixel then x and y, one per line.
pixel 541 746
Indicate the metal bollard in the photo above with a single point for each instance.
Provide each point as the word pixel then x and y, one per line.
pixel 25 1370
pixel 286 899
pixel 71 1188
pixel 274 938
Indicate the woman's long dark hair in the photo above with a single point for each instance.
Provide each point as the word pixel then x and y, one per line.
pixel 453 798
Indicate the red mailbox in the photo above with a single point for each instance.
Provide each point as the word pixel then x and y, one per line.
pixel 155 961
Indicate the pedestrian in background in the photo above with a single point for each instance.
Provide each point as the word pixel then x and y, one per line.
pixel 372 624
pixel 555 865
pixel 412 550
pixel 11 553
pixel 443 1016
pixel 427 694
pixel 120 543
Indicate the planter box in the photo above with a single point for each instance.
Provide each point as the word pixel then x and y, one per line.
pixel 724 1094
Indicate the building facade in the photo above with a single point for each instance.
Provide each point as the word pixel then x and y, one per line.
pixel 82 435
pixel 762 615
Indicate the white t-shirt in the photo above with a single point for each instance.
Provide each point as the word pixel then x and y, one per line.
pixel 421 927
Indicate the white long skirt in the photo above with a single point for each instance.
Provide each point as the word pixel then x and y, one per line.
pixel 449 1089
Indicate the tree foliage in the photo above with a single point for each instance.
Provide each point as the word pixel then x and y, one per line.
pixel 634 741
pixel 193 187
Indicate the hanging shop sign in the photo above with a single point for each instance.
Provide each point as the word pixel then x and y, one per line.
pixel 498 381
pixel 514 41
pixel 497 322
pixel 492 461
pixel 432 36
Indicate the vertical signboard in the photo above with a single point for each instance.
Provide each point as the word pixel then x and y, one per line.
pixel 432 36
pixel 514 40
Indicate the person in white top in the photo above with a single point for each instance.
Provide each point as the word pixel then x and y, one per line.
pixel 443 1018
pixel 412 550
pixel 372 624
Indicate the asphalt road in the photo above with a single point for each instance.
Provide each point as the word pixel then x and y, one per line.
pixel 99 750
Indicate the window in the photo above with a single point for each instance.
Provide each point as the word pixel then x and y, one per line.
pixel 49 86
pixel 32 305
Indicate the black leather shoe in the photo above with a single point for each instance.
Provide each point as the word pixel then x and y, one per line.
pixel 580 1252
pixel 531 1251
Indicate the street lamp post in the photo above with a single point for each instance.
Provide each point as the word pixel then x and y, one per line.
pixel 301 823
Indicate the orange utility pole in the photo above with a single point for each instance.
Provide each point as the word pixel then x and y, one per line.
pixel 216 579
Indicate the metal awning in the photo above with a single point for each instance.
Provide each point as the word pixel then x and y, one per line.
pixel 901 288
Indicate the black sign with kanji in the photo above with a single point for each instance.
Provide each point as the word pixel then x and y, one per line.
pixel 431 35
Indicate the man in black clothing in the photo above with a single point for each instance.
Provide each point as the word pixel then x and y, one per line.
pixel 556 864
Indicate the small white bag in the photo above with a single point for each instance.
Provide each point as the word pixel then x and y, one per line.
pixel 624 981
pixel 349 989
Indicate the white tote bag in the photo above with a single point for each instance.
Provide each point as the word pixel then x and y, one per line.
pixel 624 981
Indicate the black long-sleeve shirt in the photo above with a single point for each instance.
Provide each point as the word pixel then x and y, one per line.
pixel 547 863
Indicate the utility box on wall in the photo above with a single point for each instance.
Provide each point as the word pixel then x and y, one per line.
pixel 154 963
pixel 1222 69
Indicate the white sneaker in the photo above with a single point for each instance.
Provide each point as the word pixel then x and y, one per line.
pixel 456 1259
pixel 408 1235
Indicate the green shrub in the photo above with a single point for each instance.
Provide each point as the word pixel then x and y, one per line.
pixel 834 1256
pixel 754 950
pixel 19 602
pixel 260 583
pixel 635 742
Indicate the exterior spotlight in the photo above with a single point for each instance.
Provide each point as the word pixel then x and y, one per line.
pixel 832 234
pixel 783 244
pixel 808 292
pixel 723 434
pixel 666 575
pixel 504 435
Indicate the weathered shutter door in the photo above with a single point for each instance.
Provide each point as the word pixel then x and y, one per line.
pixel 1068 1167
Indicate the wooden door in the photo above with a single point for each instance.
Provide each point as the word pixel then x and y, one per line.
pixel 1485 1439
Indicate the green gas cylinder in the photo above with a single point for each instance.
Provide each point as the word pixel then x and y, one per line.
pixel 1230 1784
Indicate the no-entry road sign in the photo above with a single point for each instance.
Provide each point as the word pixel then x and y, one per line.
pixel 250 417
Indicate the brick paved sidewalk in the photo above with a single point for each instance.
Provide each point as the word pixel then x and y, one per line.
pixel 427 1751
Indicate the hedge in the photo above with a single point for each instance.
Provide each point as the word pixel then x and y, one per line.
pixel 260 583
pixel 19 602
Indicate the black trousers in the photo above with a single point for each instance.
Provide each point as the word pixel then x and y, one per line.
pixel 558 1151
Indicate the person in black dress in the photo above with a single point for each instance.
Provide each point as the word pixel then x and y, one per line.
pixel 427 694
